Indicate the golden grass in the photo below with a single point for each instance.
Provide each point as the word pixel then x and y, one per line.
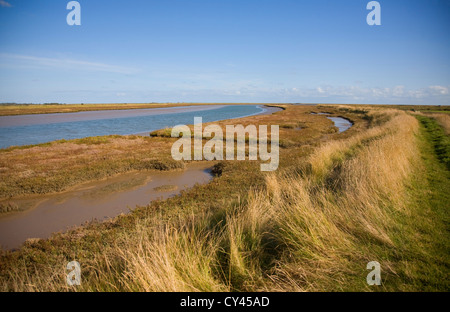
pixel 174 258
pixel 325 225
pixel 320 226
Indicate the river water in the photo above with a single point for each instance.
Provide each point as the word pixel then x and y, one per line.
pixel 42 128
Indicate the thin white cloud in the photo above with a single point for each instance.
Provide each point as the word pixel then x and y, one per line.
pixel 5 4
pixel 68 64
pixel 319 89
pixel 439 89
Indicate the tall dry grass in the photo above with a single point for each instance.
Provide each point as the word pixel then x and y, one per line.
pixel 170 258
pixel 327 225
pixel 307 231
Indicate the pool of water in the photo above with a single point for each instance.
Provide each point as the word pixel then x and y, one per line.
pixel 341 123
pixel 97 200
pixel 42 128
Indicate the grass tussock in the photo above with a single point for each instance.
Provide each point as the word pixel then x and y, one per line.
pixel 327 225
pixel 176 258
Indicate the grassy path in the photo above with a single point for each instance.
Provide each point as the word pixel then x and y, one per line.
pixel 426 258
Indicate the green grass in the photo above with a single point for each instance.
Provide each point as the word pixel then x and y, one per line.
pixel 438 138
pixel 425 233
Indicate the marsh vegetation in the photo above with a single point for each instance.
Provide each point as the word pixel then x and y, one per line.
pixel 377 192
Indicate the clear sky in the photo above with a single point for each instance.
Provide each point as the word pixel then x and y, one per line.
pixel 312 51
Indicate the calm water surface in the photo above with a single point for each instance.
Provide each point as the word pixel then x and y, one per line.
pixel 341 123
pixel 41 128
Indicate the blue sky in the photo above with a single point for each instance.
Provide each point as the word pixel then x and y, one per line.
pixel 313 51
